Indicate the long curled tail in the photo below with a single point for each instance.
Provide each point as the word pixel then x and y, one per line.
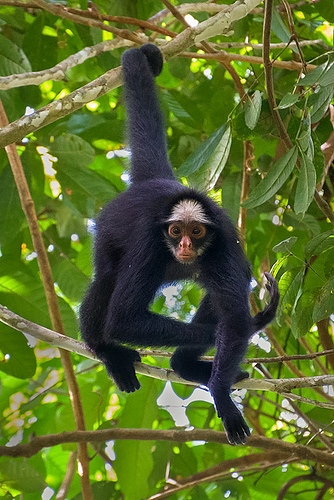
pixel 147 135
pixel 267 315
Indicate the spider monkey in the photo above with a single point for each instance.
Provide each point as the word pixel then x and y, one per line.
pixel 160 231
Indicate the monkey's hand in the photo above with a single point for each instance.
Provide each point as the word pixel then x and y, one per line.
pixel 120 367
pixel 272 288
pixel 267 315
pixel 235 426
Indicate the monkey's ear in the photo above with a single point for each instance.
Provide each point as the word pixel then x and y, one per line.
pixel 154 57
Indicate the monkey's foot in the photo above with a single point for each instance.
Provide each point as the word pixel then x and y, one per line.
pixel 235 426
pixel 119 363
pixel 241 375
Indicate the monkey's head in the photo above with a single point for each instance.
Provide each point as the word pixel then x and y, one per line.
pixel 188 232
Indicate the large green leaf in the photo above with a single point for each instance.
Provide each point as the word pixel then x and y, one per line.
pixel 253 109
pixel 134 461
pixel 12 58
pixel 324 304
pixel 18 358
pixel 319 244
pixel 274 179
pixel 74 154
pixel 20 475
pixel 305 185
pixel 207 175
pixel 202 154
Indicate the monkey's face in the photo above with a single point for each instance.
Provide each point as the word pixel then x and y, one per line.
pixel 187 240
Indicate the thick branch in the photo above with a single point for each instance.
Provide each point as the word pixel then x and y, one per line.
pixel 293 451
pixel 58 71
pixel 18 129
pixel 55 339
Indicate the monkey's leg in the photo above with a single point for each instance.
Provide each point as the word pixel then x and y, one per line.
pixel 185 360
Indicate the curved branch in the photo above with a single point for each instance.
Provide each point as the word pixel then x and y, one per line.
pixel 306 477
pixel 57 73
pixel 63 342
pixel 18 129
pixel 294 451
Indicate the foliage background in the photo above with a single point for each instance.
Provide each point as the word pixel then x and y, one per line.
pixel 76 164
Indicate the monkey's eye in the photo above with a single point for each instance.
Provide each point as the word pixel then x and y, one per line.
pixel 174 231
pixel 199 231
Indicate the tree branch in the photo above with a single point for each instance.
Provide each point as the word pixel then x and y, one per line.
pixel 63 342
pixel 294 451
pixel 246 463
pixel 57 73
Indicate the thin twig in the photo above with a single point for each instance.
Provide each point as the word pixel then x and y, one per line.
pixel 60 11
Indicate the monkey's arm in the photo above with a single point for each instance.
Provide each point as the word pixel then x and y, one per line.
pixel 145 122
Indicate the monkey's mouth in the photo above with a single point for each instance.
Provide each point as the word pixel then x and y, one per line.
pixel 186 258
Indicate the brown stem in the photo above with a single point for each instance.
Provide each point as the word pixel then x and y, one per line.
pixel 325 339
pixel 44 266
pixel 288 65
pixel 247 169
pixel 309 477
pixel 67 481
pixel 60 11
pixel 122 20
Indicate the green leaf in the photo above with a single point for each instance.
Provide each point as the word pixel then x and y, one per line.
pixel 318 159
pixel 288 100
pixel 304 141
pixel 207 175
pixel 74 154
pixel 22 360
pixel 285 245
pixel 324 304
pixel 319 244
pixel 320 102
pixel 275 178
pixel 280 29
pixel 179 111
pixel 134 462
pixel 290 288
pixel 71 280
pixel 202 154
pixel 72 151
pixel 301 318
pixel 305 186
pixel 327 77
pixel 21 475
pixel 278 264
pixel 12 58
pixel 313 77
pixel 11 213
pixel 326 9
pixel 253 109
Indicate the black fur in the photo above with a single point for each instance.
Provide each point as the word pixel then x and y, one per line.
pixel 132 261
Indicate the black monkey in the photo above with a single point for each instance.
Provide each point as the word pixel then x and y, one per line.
pixel 157 232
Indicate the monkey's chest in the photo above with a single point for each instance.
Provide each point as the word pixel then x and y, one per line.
pixel 181 272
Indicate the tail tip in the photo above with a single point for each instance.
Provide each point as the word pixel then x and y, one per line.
pixel 154 57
